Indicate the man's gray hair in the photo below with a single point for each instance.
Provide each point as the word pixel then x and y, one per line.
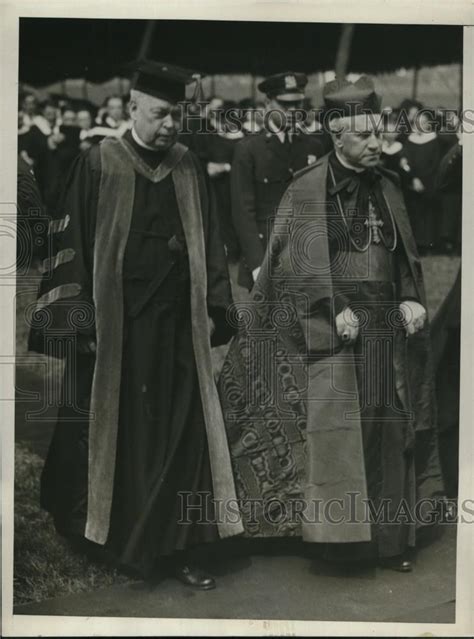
pixel 137 96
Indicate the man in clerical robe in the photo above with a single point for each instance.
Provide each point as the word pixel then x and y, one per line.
pixel 327 388
pixel 134 295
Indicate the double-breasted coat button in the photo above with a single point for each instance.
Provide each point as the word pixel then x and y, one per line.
pixel 265 180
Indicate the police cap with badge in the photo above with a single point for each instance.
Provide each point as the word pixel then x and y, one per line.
pixel 285 87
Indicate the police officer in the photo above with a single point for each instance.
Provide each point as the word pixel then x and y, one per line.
pixel 264 165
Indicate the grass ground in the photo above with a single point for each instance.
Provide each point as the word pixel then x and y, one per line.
pixel 45 566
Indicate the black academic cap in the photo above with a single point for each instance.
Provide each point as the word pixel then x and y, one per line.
pixel 162 80
pixel 343 98
pixel 287 86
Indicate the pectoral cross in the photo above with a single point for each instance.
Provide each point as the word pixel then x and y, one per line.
pixel 373 224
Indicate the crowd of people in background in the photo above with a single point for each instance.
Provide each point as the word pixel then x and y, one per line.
pixel 52 133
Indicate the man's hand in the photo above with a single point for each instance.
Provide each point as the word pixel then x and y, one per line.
pixel 54 139
pixel 255 273
pixel 414 316
pixel 417 185
pixel 86 345
pixel 347 326
pixel 212 327
pixel 217 168
pixel 85 145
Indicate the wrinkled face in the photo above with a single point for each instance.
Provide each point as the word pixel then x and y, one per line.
pixel 84 120
pixel 359 140
pixel 29 105
pixel 50 113
pixel 115 109
pixel 284 114
pixel 69 118
pixel 156 121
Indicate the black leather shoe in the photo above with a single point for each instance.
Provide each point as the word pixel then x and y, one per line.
pixel 194 577
pixel 398 563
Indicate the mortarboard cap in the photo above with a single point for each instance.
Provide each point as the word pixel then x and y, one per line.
pixel 162 80
pixel 288 86
pixel 347 99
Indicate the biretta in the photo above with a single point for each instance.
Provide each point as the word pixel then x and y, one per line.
pixel 287 86
pixel 162 80
pixel 347 99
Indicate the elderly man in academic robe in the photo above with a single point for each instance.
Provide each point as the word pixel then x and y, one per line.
pixel 327 389
pixel 135 292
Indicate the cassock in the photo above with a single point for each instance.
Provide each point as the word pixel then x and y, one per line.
pixel 319 431
pixel 138 265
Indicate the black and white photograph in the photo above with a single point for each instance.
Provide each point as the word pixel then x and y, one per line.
pixel 236 302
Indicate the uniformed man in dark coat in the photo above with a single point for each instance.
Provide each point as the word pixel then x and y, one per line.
pixel 264 165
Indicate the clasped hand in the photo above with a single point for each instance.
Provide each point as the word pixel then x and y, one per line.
pixel 413 316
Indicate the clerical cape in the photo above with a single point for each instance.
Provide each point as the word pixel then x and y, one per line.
pixel 139 266
pixel 289 387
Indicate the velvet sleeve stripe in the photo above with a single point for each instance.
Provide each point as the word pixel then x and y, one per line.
pixel 60 292
pixel 62 257
pixel 59 225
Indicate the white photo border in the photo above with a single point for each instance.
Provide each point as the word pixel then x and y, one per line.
pixel 454 12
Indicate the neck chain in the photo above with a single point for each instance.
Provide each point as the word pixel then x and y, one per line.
pixel 363 249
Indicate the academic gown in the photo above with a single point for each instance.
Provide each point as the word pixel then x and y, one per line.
pixel 161 442
pixel 34 143
pixel 59 164
pixel 31 229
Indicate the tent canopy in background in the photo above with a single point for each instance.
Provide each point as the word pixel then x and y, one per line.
pixel 85 58
pixel 53 49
